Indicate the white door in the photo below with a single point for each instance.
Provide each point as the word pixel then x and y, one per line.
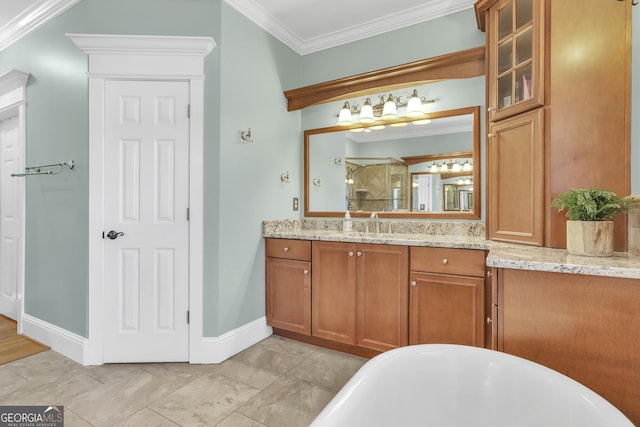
pixel 11 219
pixel 146 199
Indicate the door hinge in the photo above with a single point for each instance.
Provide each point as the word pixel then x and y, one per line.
pixel 188 214
pixel 188 111
pixel 187 316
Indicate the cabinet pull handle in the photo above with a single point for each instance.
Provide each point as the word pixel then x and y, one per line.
pixel 350 253
pixel 413 283
pixel 286 249
pixel 359 253
pixel 306 271
pixel 491 135
pixel 491 109
pixel 489 320
pixel 445 261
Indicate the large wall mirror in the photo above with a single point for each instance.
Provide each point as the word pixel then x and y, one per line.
pixel 409 170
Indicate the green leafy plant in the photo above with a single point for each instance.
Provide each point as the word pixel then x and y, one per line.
pixel 592 204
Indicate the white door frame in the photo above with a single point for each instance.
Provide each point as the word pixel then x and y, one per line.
pixel 13 98
pixel 121 57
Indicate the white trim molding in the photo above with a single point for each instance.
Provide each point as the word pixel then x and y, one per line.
pixel 266 20
pixel 219 349
pixel 32 18
pixel 13 100
pixel 60 340
pixel 144 58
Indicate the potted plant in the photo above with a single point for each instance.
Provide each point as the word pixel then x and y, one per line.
pixel 590 224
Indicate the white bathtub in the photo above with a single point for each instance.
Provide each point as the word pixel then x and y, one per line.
pixel 440 385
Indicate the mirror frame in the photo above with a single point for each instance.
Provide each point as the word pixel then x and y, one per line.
pixel 474 214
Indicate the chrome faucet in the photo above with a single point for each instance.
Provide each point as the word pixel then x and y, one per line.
pixel 376 218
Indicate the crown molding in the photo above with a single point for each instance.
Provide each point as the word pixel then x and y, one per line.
pixel 430 10
pixel 141 44
pixel 31 19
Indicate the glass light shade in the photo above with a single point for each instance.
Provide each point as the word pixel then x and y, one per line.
pixel 444 168
pixel 390 110
pixel 414 106
pixel 366 112
pixel 434 168
pixel 467 167
pixel 467 181
pixel 455 167
pixel 460 181
pixel 345 118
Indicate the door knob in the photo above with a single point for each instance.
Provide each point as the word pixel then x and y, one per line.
pixel 114 234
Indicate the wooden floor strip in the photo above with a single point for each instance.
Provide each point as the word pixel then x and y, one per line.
pixel 14 346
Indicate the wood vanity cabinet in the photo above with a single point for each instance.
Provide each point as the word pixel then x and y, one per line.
pixel 447 296
pixel 359 294
pixel 586 327
pixel 558 101
pixel 288 284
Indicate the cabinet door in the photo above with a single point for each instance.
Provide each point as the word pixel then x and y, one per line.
pixel 288 296
pixel 333 294
pixel 515 174
pixel 515 37
pixel 446 309
pixel 383 296
pixel 586 327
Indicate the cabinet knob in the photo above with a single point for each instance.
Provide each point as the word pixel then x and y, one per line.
pixel 491 135
pixel 286 249
pixel 445 261
pixel 350 253
pixel 491 109
pixel 306 271
pixel 359 253
pixel 489 273
pixel 413 283
pixel 489 320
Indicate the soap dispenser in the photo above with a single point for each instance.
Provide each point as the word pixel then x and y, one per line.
pixel 347 226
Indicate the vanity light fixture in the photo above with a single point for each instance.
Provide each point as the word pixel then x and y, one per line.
pixel 455 167
pixel 467 167
pixel 444 168
pixel 434 168
pixel 390 109
pixel 366 112
pixel 385 109
pixel 246 135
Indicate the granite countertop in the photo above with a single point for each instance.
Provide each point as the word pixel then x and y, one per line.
pixel 458 235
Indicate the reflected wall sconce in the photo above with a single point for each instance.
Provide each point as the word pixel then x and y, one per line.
pixel 246 135
pixel 451 166
pixel 385 109
pixel 316 182
pixel 285 177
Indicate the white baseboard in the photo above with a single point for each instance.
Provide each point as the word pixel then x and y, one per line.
pixel 60 340
pixel 219 349
pixel 210 350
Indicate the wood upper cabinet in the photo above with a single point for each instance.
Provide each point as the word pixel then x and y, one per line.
pixel 516 57
pixel 360 295
pixel 288 285
pixel 516 198
pixel 585 327
pixel 447 296
pixel 570 61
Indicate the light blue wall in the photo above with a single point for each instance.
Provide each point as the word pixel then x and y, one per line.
pixel 254 68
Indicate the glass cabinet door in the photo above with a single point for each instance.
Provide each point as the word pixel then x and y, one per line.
pixel 515 54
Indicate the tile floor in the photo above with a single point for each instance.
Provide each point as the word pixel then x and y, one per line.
pixel 277 382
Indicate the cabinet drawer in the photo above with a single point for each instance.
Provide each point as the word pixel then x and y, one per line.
pixel 465 262
pixel 289 249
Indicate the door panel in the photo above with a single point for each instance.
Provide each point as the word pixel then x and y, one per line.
pixel 11 219
pixel 146 200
